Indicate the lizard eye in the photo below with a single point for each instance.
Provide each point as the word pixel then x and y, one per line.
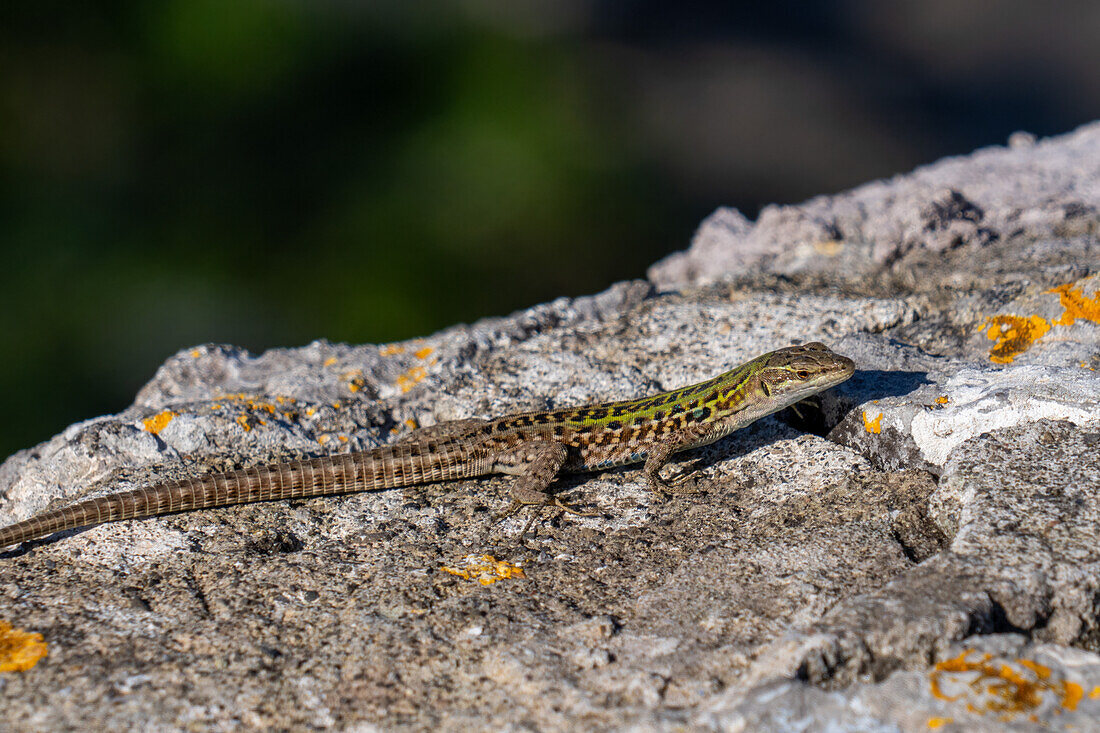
pixel 802 374
pixel 765 388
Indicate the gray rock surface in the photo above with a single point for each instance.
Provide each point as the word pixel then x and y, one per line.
pixel 920 550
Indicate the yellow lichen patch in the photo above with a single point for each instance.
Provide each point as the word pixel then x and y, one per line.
pixel 1077 305
pixel 1003 689
pixel 329 361
pixel 827 247
pixel 322 439
pixel 391 350
pixel 19 650
pixel 242 420
pixel 158 422
pixel 1095 694
pixel 407 380
pixel 872 426
pixel 1073 694
pixel 409 423
pixel 1040 671
pixel 934 723
pixel 354 379
pixel 1014 335
pixel 485 569
pixel 423 353
pixel 196 353
pixel 942 400
pixel 251 402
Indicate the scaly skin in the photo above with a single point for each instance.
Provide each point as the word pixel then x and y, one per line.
pixel 536 446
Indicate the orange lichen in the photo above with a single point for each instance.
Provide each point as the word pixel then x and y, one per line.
pixel 158 422
pixel 407 380
pixel 872 426
pixel 942 400
pixel 934 723
pixel 19 650
pixel 1014 335
pixel 409 423
pixel 196 353
pixel 242 420
pixel 1040 671
pixel 329 361
pixel 1077 305
pixel 999 688
pixel 828 247
pixel 423 353
pixel 250 402
pixel 355 379
pixel 391 349
pixel 1073 694
pixel 485 569
pixel 1095 694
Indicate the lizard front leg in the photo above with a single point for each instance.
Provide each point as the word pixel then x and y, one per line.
pixel 657 459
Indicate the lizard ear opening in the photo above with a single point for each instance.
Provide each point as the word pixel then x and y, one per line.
pixel 766 388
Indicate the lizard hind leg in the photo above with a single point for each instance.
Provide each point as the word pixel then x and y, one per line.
pixel 538 464
pixel 442 432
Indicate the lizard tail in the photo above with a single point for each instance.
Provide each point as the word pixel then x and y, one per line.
pixel 381 468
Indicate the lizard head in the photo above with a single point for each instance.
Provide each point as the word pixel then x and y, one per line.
pixel 796 372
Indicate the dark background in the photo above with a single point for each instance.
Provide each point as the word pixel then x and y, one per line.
pixel 266 173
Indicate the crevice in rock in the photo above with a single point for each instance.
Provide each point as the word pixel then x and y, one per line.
pixel 996 622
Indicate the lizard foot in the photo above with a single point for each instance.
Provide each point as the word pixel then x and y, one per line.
pixel 673 486
pixel 552 502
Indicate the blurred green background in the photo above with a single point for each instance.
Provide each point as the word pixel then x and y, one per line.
pixel 269 173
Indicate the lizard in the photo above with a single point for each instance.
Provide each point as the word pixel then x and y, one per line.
pixel 535 446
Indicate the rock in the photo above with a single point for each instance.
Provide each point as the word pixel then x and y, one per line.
pixel 915 551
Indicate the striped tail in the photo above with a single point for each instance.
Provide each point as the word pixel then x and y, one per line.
pixel 387 467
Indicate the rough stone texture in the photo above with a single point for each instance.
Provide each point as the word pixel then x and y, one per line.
pixel 1015 683
pixel 918 550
